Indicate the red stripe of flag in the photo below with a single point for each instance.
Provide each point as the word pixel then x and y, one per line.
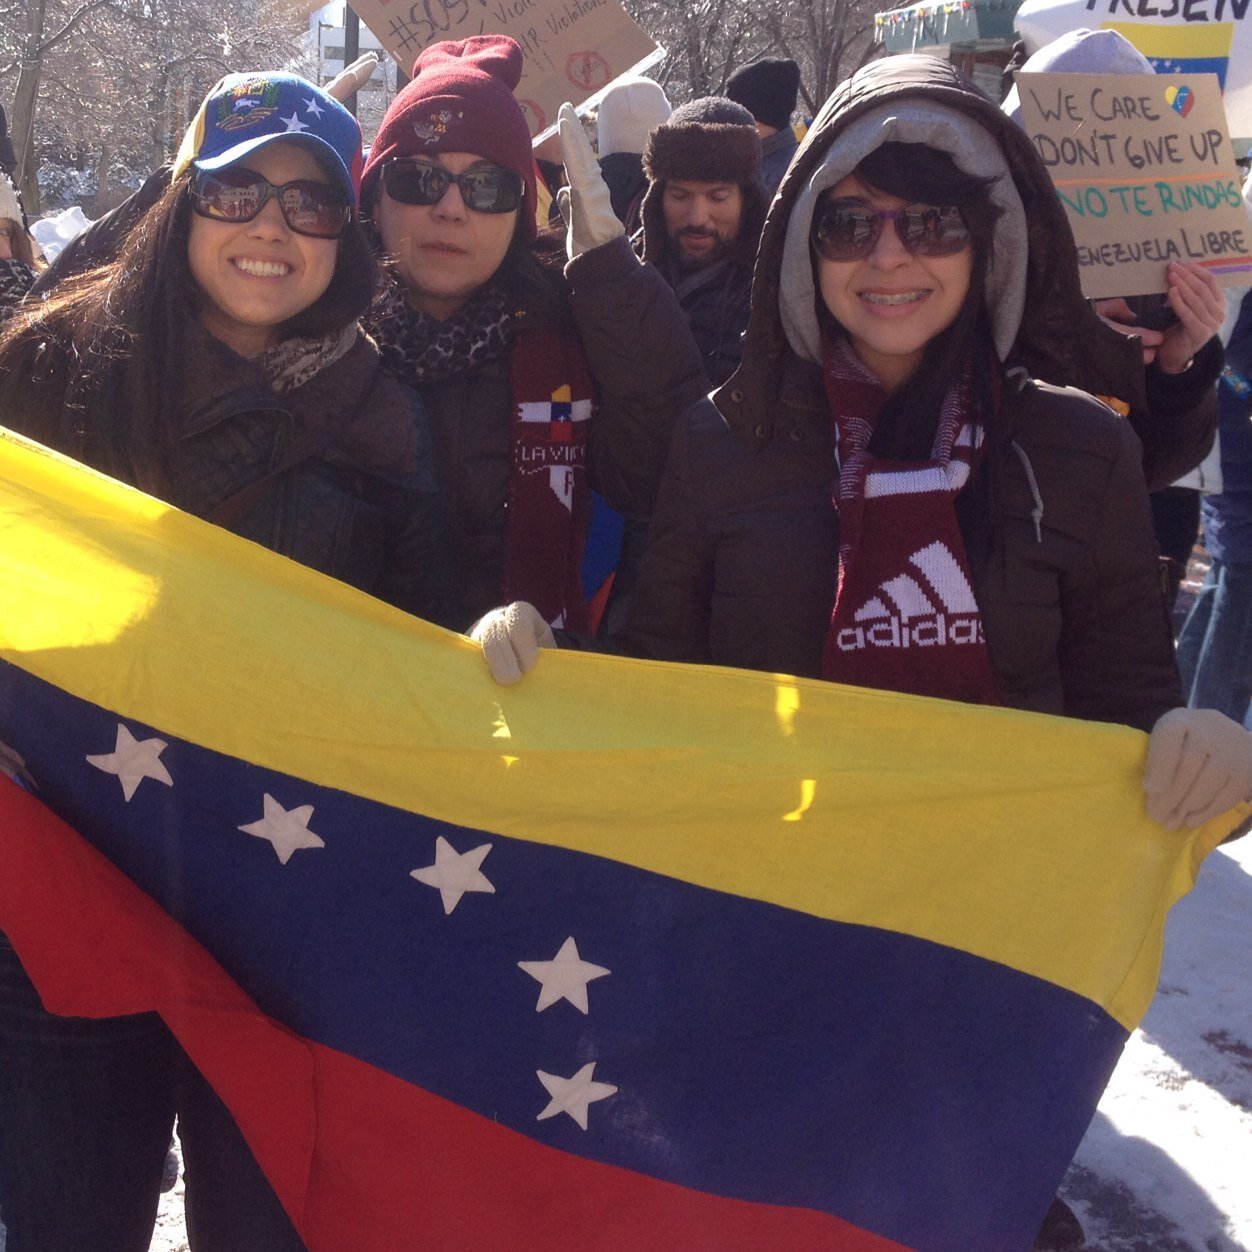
pixel 359 1158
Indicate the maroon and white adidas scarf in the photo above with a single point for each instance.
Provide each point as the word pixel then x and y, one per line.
pixel 905 617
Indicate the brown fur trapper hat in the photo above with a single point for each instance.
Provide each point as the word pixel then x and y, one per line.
pixel 711 140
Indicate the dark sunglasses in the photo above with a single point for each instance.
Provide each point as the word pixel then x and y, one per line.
pixel 485 188
pixel 848 231
pixel 239 195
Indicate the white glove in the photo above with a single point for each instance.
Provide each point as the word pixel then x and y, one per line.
pixel 585 204
pixel 511 638
pixel 1199 765
pixel 352 77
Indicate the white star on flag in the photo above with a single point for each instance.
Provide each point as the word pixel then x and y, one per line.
pixel 287 829
pixel 455 873
pixel 294 124
pixel 565 977
pixel 133 760
pixel 574 1095
pixel 312 106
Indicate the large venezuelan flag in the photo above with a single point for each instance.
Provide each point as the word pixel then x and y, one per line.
pixel 631 957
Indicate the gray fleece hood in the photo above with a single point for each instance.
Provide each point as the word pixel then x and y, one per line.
pixel 973 150
pixel 1040 319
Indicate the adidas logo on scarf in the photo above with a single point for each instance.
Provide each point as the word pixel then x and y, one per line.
pixel 905 616
pixel 931 606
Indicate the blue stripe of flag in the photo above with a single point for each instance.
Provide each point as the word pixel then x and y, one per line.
pixel 1192 65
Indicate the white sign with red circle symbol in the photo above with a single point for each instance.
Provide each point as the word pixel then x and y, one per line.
pixel 572 49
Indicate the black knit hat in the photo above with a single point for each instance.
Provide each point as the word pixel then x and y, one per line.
pixel 767 89
pixel 711 140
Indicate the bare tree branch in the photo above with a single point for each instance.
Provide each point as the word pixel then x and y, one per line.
pixel 70 26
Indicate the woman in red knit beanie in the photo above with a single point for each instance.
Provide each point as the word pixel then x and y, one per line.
pixel 495 331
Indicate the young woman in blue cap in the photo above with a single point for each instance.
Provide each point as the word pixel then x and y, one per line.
pixel 217 363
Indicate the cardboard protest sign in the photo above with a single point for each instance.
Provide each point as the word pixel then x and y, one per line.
pixel 573 48
pixel 1144 168
pixel 1177 36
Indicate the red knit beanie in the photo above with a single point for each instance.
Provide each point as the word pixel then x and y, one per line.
pixel 460 100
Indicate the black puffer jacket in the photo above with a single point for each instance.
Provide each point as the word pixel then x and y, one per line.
pixel 743 550
pixel 363 508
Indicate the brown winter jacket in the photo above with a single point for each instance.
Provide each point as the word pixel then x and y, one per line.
pixel 743 551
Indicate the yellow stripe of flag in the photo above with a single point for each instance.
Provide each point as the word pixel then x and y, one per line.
pixel 1184 41
pixel 1012 836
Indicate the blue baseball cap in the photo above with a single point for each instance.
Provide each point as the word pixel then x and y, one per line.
pixel 244 112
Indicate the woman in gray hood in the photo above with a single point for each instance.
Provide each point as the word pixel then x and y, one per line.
pixel 886 493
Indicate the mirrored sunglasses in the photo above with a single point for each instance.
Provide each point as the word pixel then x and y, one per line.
pixel 848 231
pixel 239 195
pixel 485 188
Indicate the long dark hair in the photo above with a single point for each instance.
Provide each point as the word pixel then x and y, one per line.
pixel 93 370
pixel 916 172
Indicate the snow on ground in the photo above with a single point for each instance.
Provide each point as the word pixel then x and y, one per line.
pixel 1167 1163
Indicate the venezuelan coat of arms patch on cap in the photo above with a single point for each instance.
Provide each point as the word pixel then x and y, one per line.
pixel 247 104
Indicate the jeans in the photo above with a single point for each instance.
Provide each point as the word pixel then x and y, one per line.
pixel 87 1108
pixel 1215 645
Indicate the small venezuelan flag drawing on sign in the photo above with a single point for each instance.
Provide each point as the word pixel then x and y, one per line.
pixel 1201 48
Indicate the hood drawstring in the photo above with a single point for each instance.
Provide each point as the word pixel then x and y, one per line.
pixel 1036 514
pixel 1019 376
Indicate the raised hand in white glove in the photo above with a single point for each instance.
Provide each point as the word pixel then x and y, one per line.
pixel 510 639
pixel 352 77
pixel 1199 765
pixel 585 205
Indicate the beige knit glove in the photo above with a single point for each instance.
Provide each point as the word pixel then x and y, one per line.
pixel 352 77
pixel 510 639
pixel 1199 765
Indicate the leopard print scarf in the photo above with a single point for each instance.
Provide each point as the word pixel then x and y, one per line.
pixel 419 349
pixel 16 279
pixel 293 362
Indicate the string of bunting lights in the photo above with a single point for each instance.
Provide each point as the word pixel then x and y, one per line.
pixel 921 13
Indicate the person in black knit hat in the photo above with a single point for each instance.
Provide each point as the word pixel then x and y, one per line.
pixel 767 89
